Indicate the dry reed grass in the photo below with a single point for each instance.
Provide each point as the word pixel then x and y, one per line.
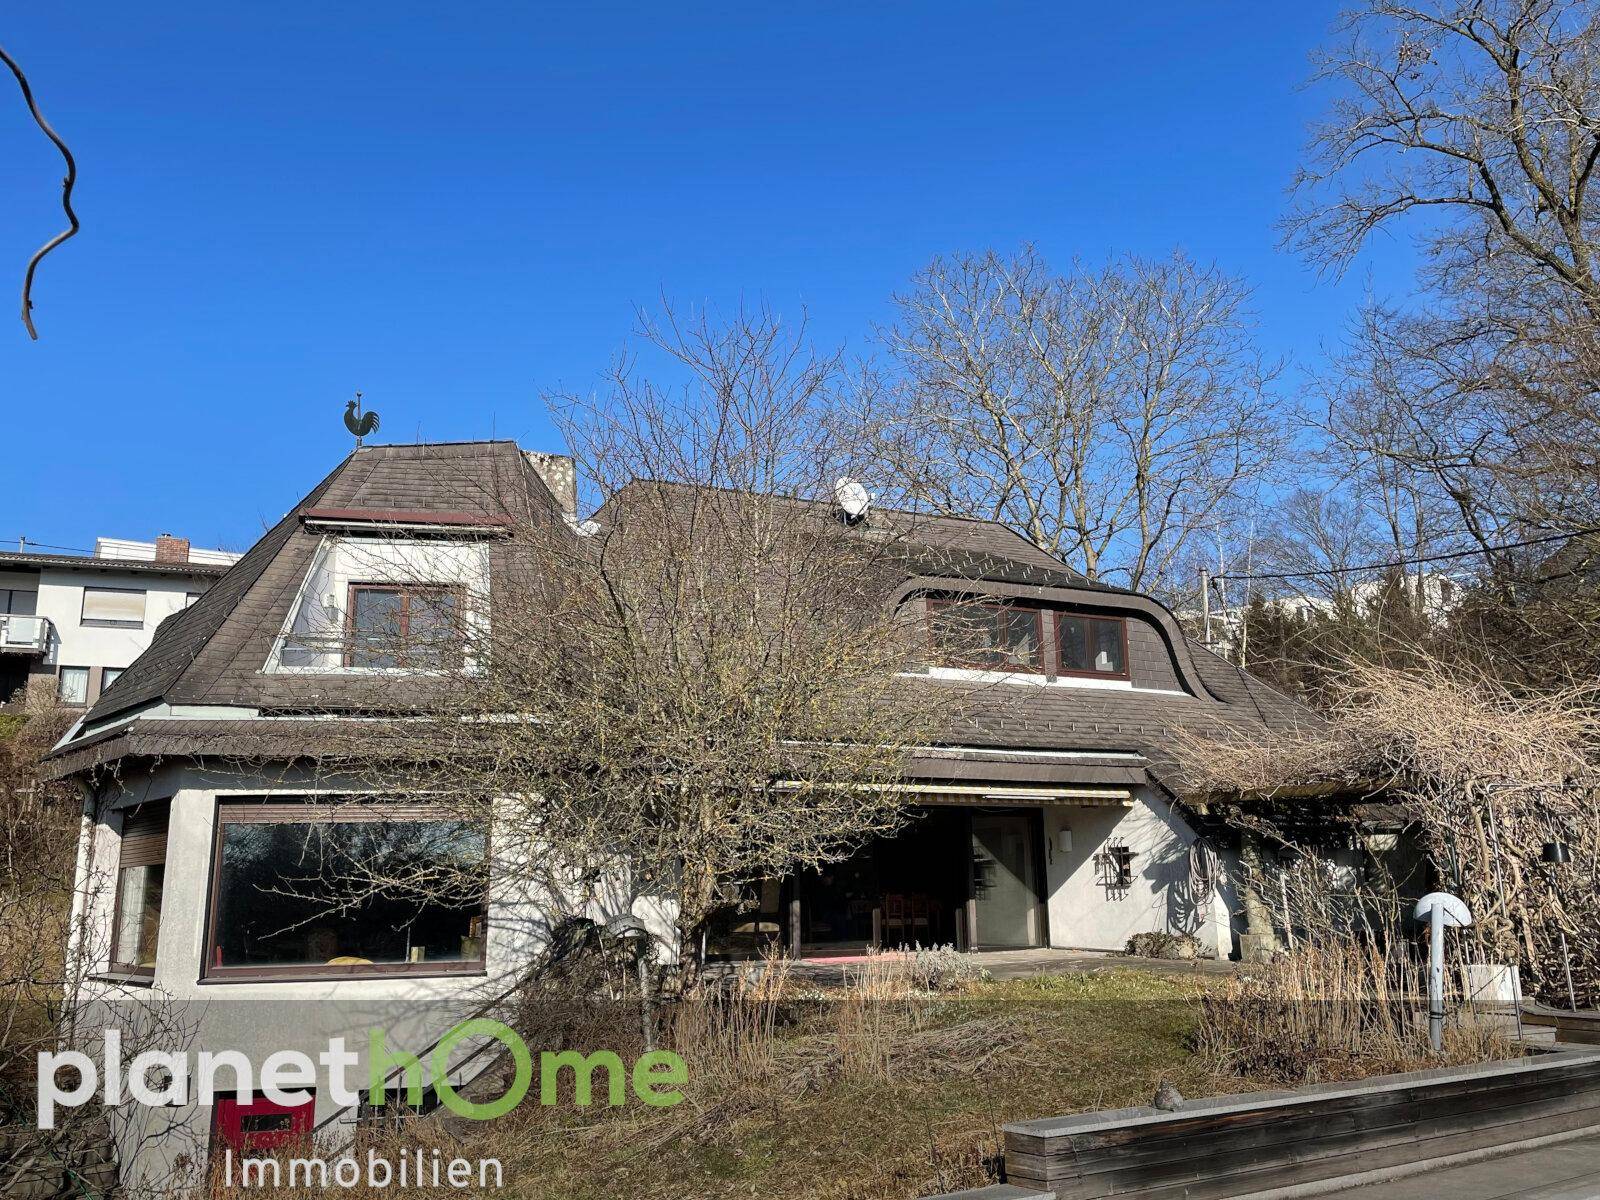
pixel 1348 998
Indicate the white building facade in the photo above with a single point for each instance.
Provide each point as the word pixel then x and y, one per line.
pixel 70 624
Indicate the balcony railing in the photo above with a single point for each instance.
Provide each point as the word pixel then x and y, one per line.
pixel 24 635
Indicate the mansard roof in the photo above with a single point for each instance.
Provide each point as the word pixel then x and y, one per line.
pixel 213 652
pixel 212 656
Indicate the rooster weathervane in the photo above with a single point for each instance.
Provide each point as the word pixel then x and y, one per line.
pixel 357 422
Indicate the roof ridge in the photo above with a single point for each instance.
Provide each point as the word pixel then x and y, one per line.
pixel 430 445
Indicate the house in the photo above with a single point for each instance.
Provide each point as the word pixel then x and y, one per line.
pixel 1047 817
pixel 70 624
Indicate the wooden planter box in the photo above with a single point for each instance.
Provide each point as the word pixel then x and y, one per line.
pixel 1260 1142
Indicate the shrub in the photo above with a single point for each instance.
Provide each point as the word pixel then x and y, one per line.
pixel 1163 945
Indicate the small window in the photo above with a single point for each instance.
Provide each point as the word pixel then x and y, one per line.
pixel 109 676
pixel 299 890
pixel 141 871
pixel 1094 646
pixel 986 637
pixel 405 625
pixel 18 602
pixel 72 685
pixel 113 606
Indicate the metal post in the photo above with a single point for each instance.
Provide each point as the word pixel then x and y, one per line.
pixel 1566 962
pixel 643 969
pixel 1436 980
pixel 1283 898
pixel 1205 606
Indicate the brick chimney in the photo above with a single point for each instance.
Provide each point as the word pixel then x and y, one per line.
pixel 171 549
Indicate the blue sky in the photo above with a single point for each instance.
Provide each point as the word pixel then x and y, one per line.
pixel 457 207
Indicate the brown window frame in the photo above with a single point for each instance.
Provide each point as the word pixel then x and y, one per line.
pixel 256 810
pixel 149 849
pixel 938 654
pixel 405 592
pixel 1073 673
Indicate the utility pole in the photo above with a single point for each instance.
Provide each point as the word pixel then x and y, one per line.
pixel 1205 606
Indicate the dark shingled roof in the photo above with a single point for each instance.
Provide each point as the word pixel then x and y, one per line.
pixel 213 652
pixel 95 562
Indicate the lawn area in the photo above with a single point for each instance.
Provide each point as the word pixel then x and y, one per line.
pixel 857 1097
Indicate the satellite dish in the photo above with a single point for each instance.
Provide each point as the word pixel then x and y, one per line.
pixel 854 500
pixel 1452 910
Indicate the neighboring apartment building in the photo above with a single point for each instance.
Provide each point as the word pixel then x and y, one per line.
pixel 1440 593
pixel 70 624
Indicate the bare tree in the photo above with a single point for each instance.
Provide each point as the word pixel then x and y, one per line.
pixel 1112 415
pixel 702 687
pixel 1320 537
pixel 1484 118
pixel 1486 109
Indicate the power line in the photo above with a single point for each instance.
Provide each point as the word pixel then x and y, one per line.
pixel 27 544
pixel 1409 562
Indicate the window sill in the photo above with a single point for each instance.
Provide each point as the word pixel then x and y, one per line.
pixel 127 978
pixel 474 971
pixel 93 624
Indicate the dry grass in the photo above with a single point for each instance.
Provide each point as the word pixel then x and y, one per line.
pixel 1347 998
pixel 1339 1011
pixel 882 1089
pixel 879 1089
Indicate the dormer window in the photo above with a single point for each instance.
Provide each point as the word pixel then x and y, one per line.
pixel 987 636
pixel 387 605
pixel 404 625
pixel 1092 646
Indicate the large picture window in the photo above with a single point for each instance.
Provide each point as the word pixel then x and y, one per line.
pixel 985 636
pixel 141 871
pixel 403 625
pixel 345 888
pixel 1093 646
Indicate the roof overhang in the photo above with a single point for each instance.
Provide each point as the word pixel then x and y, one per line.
pixel 944 793
pixel 402 520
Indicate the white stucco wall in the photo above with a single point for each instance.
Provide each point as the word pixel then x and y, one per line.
pixel 259 1018
pixel 1084 915
pixel 79 645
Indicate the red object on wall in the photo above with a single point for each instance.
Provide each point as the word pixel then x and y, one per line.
pixel 260 1124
